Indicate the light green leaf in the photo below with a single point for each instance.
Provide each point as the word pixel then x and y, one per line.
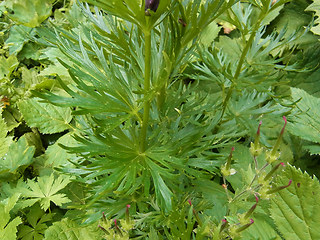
pixel 315 7
pixel 231 47
pixel 295 209
pixel 19 35
pixel 7 65
pixel 11 119
pixel 260 230
pixel 209 34
pixel 305 125
pixel 29 77
pixel 8 229
pixel 31 13
pixel 313 149
pixel 19 154
pixel 69 230
pixel 45 191
pixel 56 155
pixel 5 141
pixel 46 117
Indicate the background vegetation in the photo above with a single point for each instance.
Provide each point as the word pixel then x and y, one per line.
pixel 197 120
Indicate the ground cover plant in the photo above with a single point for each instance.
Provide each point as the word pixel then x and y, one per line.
pixel 159 119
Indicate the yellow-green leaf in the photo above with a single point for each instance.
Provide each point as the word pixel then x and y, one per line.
pixel 295 209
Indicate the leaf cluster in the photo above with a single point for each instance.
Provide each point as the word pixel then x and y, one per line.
pixel 117 121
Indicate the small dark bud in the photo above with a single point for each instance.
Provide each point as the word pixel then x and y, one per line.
pixel 127 213
pixel 183 23
pixel 103 229
pixel 152 5
pixel 104 217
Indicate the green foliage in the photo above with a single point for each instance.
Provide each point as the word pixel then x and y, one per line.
pixel 305 123
pixel 67 229
pixel 293 208
pixel 7 66
pixel 315 8
pixel 45 191
pixel 8 228
pixel 17 38
pixel 47 118
pixel 28 12
pixel 19 154
pixel 261 229
pixel 6 141
pixel 117 122
pixel 36 226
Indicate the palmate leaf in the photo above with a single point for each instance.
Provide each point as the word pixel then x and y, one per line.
pixel 100 85
pixel 46 117
pixel 44 191
pixel 19 36
pixel 117 168
pixel 315 7
pixel 69 230
pixel 295 209
pixel 37 224
pixel 19 154
pixel 8 229
pixel 305 124
pixel 7 66
pixel 31 13
pixel 56 155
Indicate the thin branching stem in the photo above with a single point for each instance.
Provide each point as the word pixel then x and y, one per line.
pixel 225 188
pixel 241 61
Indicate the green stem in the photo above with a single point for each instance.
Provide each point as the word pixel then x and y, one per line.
pixel 147 75
pixel 241 61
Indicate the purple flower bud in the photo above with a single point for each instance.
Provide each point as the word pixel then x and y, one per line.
pixel 117 229
pixel 195 213
pixel 269 175
pixel 224 224
pixel 277 189
pixel 252 208
pixel 152 5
